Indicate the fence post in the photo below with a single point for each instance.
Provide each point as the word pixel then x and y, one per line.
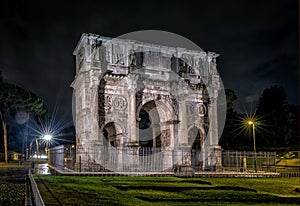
pixel 79 163
pixel 275 162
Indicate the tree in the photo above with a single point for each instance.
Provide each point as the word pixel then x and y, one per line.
pixel 14 99
pixel 272 106
pixel 230 98
pixel 291 125
pixel 227 139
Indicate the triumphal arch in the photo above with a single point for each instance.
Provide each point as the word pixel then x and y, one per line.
pixel 141 106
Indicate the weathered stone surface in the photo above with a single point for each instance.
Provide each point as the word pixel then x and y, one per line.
pixel 135 94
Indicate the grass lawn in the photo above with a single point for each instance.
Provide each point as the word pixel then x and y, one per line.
pixel 74 190
pixel 288 162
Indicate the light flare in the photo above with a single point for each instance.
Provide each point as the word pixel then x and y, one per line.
pixel 246 122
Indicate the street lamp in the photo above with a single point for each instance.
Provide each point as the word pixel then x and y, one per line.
pixel 248 122
pixel 47 138
pixel 252 123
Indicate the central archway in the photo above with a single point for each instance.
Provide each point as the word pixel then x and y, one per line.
pixel 149 126
pixel 155 129
pixel 145 129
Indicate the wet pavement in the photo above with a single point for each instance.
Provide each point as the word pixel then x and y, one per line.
pixel 12 183
pixel 41 169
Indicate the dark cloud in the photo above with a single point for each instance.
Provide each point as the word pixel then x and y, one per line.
pixel 257 40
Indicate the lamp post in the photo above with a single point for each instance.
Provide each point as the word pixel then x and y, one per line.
pixel 47 138
pixel 252 123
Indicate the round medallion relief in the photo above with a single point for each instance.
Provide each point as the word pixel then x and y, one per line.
pixel 202 110
pixel 120 103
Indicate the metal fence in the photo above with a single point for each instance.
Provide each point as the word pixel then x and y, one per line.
pixel 142 159
pixel 249 161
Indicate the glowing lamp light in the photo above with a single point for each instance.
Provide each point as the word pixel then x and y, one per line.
pixel 47 137
pixel 250 122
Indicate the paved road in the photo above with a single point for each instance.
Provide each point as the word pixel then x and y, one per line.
pixel 12 184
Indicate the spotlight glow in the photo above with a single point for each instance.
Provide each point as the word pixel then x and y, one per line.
pixel 245 122
pixel 48 130
pixel 47 137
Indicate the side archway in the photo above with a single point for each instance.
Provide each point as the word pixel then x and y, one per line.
pixel 195 140
pixel 112 135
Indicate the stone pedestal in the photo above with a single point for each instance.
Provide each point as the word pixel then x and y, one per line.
pixel 184 171
pixel 184 168
pixel 214 159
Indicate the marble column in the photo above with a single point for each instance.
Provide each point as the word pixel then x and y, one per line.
pixel 132 116
pixel 214 154
pixel 132 113
pixel 183 123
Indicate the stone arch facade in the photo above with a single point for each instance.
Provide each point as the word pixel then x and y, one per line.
pixel 113 83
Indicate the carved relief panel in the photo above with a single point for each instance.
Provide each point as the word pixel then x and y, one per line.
pixel 80 58
pixel 165 138
pixel 186 65
pixel 118 54
pixel 105 103
pixel 136 59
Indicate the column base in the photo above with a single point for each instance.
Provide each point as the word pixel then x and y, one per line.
pixel 214 159
pixel 184 171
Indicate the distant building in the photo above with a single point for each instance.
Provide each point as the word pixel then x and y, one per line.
pixel 12 155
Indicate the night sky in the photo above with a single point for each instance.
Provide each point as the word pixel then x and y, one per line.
pixel 257 40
